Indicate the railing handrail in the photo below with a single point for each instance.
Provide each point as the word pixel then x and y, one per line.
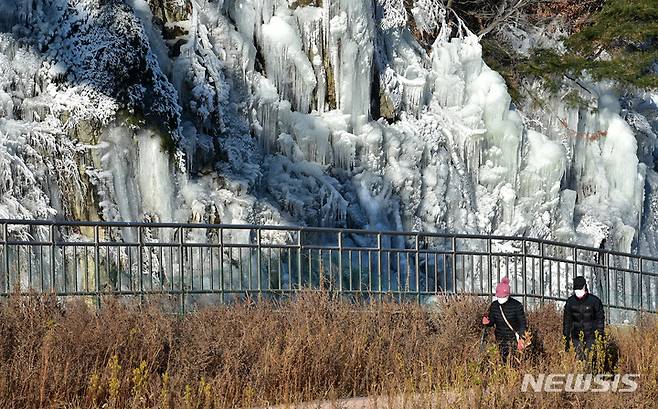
pixel 73 223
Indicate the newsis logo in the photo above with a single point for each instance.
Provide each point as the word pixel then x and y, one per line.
pixel 580 383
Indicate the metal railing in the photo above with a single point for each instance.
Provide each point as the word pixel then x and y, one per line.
pixel 206 263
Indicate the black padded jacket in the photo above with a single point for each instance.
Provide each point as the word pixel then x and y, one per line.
pixel 585 315
pixel 515 315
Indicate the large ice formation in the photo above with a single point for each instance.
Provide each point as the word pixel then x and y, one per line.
pixel 306 113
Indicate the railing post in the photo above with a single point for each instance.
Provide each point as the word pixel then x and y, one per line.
pixel 140 263
pixel 541 272
pixel 221 265
pixel 575 268
pixel 258 262
pixel 641 261
pixel 97 269
pixel 418 268
pixel 490 267
pixel 379 264
pixel 299 259
pixel 575 263
pixel 454 264
pixel 607 279
pixel 5 232
pixel 181 268
pixel 340 263
pixel 52 260
pixel 523 271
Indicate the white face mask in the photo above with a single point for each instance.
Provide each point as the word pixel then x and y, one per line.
pixel 580 293
pixel 502 300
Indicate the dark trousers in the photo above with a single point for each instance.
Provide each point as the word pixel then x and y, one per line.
pixel 582 348
pixel 506 346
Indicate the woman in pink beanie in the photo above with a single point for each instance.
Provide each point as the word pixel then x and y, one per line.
pixel 507 315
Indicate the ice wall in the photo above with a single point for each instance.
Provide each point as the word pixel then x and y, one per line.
pixel 605 177
pixel 318 113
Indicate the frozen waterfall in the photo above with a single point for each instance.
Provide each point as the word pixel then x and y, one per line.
pixel 279 112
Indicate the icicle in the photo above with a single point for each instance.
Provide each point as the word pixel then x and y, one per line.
pixel 267 110
pixel 310 22
pixel 344 149
pixel 414 91
pixel 351 36
pixel 287 64
pixel 154 177
pixel 545 167
pixel 312 136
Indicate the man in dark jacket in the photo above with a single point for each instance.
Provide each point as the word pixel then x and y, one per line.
pixel 507 315
pixel 584 318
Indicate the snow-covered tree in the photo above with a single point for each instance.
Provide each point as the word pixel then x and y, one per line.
pixel 427 14
pixel 394 14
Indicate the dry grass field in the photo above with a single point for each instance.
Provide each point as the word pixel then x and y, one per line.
pixel 310 348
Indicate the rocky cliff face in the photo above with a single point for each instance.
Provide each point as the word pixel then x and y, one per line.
pixel 305 112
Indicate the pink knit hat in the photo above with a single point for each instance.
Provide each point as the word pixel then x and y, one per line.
pixel 502 289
